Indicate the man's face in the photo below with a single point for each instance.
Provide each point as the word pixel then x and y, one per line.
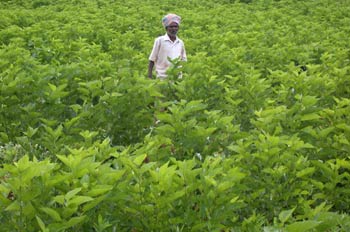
pixel 172 29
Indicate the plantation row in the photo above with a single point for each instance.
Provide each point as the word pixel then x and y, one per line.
pixel 254 137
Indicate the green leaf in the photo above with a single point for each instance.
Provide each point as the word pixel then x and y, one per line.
pixel 15 206
pixel 165 130
pixel 52 87
pixel 41 224
pixel 139 159
pixel 343 126
pixel 306 172
pixel 309 117
pixel 223 186
pixel 309 100
pixel 176 195
pixel 285 215
pixel 210 180
pixel 30 132
pixel 52 213
pixel 4 137
pixel 72 193
pixel 325 132
pixel 59 199
pixel 115 94
pixel 302 226
pixel 163 117
pixel 343 163
pixel 78 200
pixel 74 221
pixel 94 203
pixel 99 190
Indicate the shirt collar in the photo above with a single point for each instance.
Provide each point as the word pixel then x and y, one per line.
pixel 167 38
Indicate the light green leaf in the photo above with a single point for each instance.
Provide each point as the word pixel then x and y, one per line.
pixel 343 163
pixel 74 221
pixel 92 204
pixel 309 117
pixel 115 94
pixel 139 159
pixel 176 195
pixel 78 200
pixel 59 199
pixel 302 226
pixel 99 190
pixel 306 172
pixel 309 100
pixel 65 160
pixel 325 132
pixel 343 126
pixel 13 206
pixel 285 215
pixel 72 193
pixel 52 213
pixel 52 87
pixel 223 186
pixel 41 224
pixel 210 180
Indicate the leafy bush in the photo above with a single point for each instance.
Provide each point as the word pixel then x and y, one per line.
pixel 254 137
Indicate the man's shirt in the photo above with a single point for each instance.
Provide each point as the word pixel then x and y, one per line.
pixel 162 49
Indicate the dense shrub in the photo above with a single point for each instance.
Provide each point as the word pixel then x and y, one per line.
pixel 254 137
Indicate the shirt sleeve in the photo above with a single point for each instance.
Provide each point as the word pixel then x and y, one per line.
pixel 155 50
pixel 183 53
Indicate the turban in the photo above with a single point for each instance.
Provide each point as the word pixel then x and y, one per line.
pixel 170 18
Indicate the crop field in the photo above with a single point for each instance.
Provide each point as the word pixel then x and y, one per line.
pixel 255 136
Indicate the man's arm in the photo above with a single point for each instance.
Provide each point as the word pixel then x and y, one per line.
pixel 150 68
pixel 183 53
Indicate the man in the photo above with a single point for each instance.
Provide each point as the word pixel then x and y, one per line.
pixel 167 46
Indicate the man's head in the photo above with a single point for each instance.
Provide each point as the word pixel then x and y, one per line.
pixel 171 22
pixel 172 29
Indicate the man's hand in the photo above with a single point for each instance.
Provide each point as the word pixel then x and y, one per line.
pixel 150 69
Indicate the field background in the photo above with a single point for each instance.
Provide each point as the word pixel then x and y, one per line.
pixel 254 137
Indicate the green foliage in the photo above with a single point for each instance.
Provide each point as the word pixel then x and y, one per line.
pixel 250 134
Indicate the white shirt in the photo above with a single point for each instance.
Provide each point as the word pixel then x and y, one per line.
pixel 162 49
